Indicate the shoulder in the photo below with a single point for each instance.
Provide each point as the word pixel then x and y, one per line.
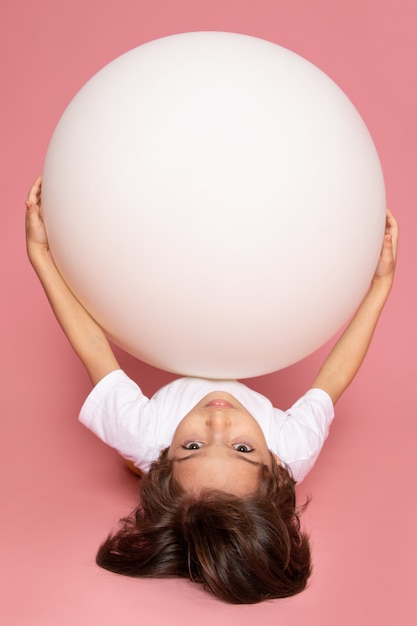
pixel 304 430
pixel 315 403
pixel 310 417
pixel 110 395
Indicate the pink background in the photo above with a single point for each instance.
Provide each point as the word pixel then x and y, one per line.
pixel 62 490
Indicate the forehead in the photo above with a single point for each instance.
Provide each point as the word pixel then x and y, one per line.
pixel 219 454
pixel 228 473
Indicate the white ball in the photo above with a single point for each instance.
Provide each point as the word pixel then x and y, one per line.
pixel 216 202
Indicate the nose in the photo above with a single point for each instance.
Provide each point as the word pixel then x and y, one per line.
pixel 218 422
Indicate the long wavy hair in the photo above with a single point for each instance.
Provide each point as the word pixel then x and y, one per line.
pixel 243 550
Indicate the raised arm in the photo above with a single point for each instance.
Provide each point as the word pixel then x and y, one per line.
pixel 343 362
pixel 85 335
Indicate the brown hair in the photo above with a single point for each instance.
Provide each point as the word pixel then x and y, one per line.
pixel 243 550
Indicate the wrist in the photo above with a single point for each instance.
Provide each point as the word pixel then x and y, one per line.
pixel 382 283
pixel 38 254
pixel 380 287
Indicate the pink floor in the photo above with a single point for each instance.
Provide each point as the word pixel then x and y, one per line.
pixel 62 490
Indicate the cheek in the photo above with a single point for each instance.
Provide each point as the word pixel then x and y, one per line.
pixel 187 429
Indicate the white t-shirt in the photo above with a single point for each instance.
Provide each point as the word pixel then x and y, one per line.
pixel 139 427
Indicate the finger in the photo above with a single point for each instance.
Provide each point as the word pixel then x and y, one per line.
pixel 391 237
pixel 35 190
pixel 386 259
pixel 391 228
pixel 32 209
pixel 390 219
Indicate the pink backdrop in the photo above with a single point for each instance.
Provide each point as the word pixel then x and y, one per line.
pixel 62 490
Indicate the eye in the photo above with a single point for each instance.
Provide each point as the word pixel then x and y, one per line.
pixel 192 445
pixel 242 447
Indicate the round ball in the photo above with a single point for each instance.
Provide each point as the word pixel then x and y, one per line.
pixel 216 202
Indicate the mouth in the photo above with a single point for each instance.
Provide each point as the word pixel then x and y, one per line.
pixel 219 402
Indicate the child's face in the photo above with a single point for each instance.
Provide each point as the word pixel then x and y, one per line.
pixel 219 445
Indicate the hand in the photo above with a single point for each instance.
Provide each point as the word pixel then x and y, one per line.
pixel 388 258
pixel 36 238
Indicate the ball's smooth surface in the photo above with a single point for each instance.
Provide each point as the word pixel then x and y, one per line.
pixel 216 202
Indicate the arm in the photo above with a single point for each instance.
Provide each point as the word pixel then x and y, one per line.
pixel 84 334
pixel 343 362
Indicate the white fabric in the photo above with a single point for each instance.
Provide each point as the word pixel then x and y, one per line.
pixel 139 428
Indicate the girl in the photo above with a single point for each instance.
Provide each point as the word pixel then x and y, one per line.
pixel 217 498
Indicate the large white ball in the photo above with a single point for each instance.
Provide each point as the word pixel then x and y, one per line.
pixel 216 202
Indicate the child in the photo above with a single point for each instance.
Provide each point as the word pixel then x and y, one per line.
pixel 220 463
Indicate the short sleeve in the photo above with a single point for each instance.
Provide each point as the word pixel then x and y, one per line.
pixel 119 414
pixel 304 431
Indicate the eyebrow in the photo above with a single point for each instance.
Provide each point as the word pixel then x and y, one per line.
pixel 237 456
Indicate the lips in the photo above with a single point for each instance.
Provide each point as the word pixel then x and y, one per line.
pixel 219 402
